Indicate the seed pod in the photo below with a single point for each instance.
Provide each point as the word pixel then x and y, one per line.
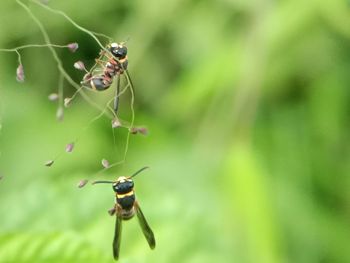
pixel 69 147
pixel 143 130
pixel 116 123
pixel 133 130
pixel 53 97
pixel 20 73
pixel 49 163
pixel 60 114
pixel 73 47
pixel 105 163
pixel 67 102
pixel 82 183
pixel 80 65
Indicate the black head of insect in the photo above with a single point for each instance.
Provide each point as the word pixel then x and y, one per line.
pixel 118 50
pixel 123 184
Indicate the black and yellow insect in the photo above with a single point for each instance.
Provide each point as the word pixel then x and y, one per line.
pixel 126 206
pixel 111 64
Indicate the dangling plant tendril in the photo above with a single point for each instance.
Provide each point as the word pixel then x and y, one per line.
pixel 89 32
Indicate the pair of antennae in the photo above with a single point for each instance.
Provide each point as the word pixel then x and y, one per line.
pixel 112 182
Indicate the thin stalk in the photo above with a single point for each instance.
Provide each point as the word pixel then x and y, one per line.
pixel 91 33
pixel 31 46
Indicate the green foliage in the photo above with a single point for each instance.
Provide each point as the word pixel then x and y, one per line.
pixel 247 105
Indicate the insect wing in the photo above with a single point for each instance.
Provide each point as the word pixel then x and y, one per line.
pixel 117 236
pixel 147 231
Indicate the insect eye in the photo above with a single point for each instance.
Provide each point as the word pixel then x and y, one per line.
pixel 130 184
pixel 115 187
pixel 120 52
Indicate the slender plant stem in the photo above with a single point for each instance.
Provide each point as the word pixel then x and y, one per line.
pixel 31 46
pixel 92 34
pixel 60 90
pixel 131 86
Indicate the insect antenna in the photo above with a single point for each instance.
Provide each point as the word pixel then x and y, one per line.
pixel 139 171
pixel 125 41
pixel 103 182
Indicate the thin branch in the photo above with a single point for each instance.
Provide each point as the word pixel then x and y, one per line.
pixel 91 33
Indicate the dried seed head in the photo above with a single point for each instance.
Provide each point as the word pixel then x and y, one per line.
pixel 133 130
pixel 143 130
pixel 69 147
pixel 20 73
pixel 60 114
pixel 73 47
pixel 136 130
pixel 67 102
pixel 82 183
pixel 53 97
pixel 116 123
pixel 49 163
pixel 105 163
pixel 80 65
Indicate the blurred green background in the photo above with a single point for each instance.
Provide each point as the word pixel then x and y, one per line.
pixel 247 105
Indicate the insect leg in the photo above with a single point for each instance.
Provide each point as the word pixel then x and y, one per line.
pixel 116 98
pixel 112 211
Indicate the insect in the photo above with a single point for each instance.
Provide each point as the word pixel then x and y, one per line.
pixel 113 62
pixel 126 206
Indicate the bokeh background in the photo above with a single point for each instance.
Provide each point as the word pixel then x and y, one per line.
pixel 247 105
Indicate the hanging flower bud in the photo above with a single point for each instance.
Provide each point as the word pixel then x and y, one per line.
pixel 136 130
pixel 69 147
pixel 133 130
pixel 80 65
pixel 49 163
pixel 82 183
pixel 105 163
pixel 116 123
pixel 73 47
pixel 20 73
pixel 67 102
pixel 60 114
pixel 53 97
pixel 143 130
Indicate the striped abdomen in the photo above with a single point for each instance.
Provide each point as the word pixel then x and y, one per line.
pixel 125 203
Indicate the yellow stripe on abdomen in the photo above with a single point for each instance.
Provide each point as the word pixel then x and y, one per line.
pixel 126 194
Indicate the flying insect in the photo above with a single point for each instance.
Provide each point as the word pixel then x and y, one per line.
pixel 125 207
